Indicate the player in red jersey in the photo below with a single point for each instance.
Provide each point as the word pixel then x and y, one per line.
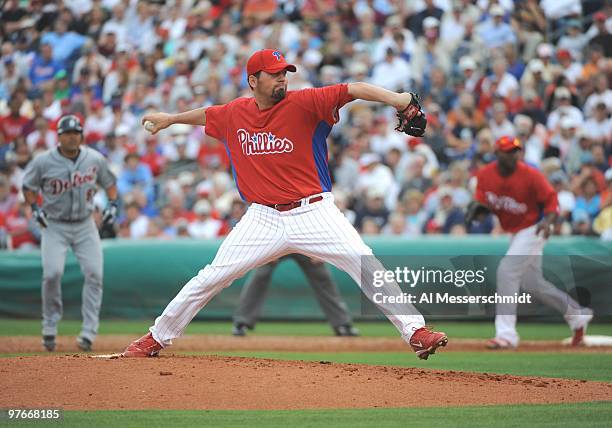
pixel 526 205
pixel 276 143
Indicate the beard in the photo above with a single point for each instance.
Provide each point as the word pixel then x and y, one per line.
pixel 278 94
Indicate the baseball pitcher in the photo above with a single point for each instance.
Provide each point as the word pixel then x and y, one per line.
pixel 276 142
pixel 520 195
pixel 68 176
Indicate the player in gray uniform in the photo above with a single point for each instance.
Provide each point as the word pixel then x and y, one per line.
pixel 319 277
pixel 68 176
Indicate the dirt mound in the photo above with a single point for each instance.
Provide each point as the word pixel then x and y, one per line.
pixel 180 382
pixel 117 343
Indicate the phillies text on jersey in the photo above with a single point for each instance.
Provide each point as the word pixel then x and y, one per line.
pixel 519 199
pixel 262 143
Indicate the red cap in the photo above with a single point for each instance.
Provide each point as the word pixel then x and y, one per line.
pixel 413 142
pixel 600 16
pixel 564 54
pixel 268 60
pixel 508 144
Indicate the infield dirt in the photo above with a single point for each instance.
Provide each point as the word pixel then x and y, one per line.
pixel 79 382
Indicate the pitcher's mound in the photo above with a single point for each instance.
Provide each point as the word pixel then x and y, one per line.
pixel 211 382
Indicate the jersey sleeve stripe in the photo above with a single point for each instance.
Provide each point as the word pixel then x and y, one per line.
pixel 319 151
pixel 229 155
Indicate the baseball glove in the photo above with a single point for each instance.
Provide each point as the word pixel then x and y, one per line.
pixel 412 120
pixel 475 211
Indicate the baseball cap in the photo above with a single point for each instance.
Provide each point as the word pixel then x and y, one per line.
pixel 202 207
pixel 564 54
pixel 536 65
pixel 568 122
pixel 562 92
pixel 600 16
pixel 467 63
pixel 545 50
pixel 508 144
pixel 496 10
pixel 69 123
pixel 268 60
pixel 558 176
pixel 431 22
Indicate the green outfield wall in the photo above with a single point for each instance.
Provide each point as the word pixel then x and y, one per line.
pixel 141 277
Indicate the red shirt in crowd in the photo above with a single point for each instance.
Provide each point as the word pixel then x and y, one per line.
pixel 12 127
pixel 279 154
pixel 519 199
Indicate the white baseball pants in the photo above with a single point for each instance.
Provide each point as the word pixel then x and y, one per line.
pixel 521 267
pixel 264 234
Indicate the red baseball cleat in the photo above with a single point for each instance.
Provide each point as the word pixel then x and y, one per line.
pixel 146 346
pixel 425 342
pixel 578 337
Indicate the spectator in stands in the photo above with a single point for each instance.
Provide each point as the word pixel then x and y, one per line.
pixel 12 125
pixel 44 66
pixel 564 108
pixel 135 174
pixel 372 208
pixel 603 37
pixel 42 138
pixel 574 40
pixel 494 31
pixel 601 94
pixel 204 226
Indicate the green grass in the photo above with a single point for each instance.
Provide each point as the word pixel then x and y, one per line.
pixel 468 330
pixel 546 364
pixel 596 414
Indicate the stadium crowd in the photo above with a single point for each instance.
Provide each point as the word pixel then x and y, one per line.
pixel 537 70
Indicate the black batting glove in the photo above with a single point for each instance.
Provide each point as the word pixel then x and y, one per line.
pixel 39 215
pixel 109 215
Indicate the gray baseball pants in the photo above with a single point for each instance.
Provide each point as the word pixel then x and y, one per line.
pixel 82 237
pixel 326 291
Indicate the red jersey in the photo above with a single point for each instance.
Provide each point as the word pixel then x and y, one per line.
pixel 13 127
pixel 517 200
pixel 279 154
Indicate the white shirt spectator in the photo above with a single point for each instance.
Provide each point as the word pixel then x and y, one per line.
pixel 452 28
pixel 500 129
pixel 381 144
pixel 393 75
pixel 573 72
pixel 79 7
pixel 534 150
pixel 139 227
pixel 507 83
pixel 598 130
pixel 34 140
pixel 53 111
pixel 206 229
pixel 555 116
pixel 567 201
pixel 555 9
pixel 596 98
pixel 573 44
pixel 102 123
